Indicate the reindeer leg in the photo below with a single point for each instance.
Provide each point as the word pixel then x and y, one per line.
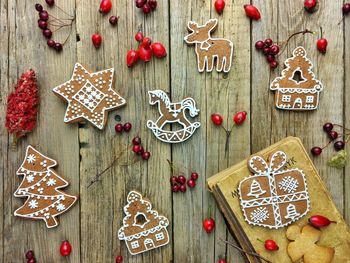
pixel 201 62
pixel 220 63
pixel 228 62
pixel 210 63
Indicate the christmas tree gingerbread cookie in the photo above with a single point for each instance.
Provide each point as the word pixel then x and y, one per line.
pixel 273 197
pixel 41 186
pixel 303 245
pixel 89 95
pixel 297 88
pixel 209 49
pixel 143 228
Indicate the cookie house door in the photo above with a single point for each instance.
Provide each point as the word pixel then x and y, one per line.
pixel 298 103
pixel 149 243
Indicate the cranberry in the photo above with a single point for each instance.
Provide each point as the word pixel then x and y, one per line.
pixel 152 4
pixel 47 33
pixel 266 50
pixel 271 245
pixel 270 58
pixel 127 127
pixel 58 47
pixel 208 225
pixel 137 149
pixel 32 260
pixel 119 128
pixel 96 40
pixel 322 44
pixel 194 176
pixel 274 49
pixel 51 43
pixel 113 20
pixel 105 6
pixel 173 180
pixel 181 179
pixel 30 254
pixel 273 64
pixel 216 119
pixel 175 188
pixel 146 155
pixel 136 140
pixel 182 188
pixel 310 5
pixel 44 15
pixel 146 9
pixel 346 8
pixel 339 145
pixel 327 127
pixel 42 24
pixel 221 260
pixel 259 45
pixel 191 183
pixel 119 259
pixel 240 117
pixel 39 7
pixel 268 42
pixel 50 2
pixel 140 3
pixel 333 135
pixel 219 6
pixel 65 248
pixel 316 151
pixel 139 36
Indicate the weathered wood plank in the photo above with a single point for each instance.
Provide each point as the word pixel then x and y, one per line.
pixel 102 204
pixel 29 50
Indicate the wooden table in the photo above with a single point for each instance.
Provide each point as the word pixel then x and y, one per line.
pixel 82 150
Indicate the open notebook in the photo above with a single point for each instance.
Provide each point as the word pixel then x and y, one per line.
pixel 224 187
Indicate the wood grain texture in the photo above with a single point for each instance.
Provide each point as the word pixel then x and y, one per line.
pixel 82 150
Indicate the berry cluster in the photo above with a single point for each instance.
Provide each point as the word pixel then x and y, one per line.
pixel 105 8
pixel 333 136
pixel 139 150
pixel 270 50
pixel 147 6
pixel 178 183
pixel 57 23
pixel 119 128
pixel 30 257
pixel 145 51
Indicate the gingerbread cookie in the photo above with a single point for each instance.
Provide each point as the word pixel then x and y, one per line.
pixel 209 49
pixel 143 229
pixel 89 96
pixel 273 197
pixel 171 112
pixel 297 88
pixel 41 186
pixel 303 245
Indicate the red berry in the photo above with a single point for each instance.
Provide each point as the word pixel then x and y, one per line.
pixel 58 47
pixel 216 118
pixel 259 45
pixel 194 176
pixel 182 188
pixel 132 57
pixel 44 15
pixel 118 128
pixel 274 49
pixel 105 6
pixel 42 24
pixel 333 135
pixel 136 140
pixel 219 6
pixel 119 259
pixel 47 33
pixel 146 155
pixel 273 64
pixel 266 50
pixel 146 42
pixel 136 148
pixel 30 254
pixel 322 45
pixel 316 151
pixel 268 42
pixel 152 4
pixel 319 221
pixel 140 3
pixel 173 180
pixel 146 9
pixel 158 50
pixel 50 2
pixel 240 117
pixel 270 58
pixel 113 20
pixel 181 179
pixel 175 188
pixel 139 36
pixel 310 5
pixel 31 260
pixel 346 8
pixel 51 43
pixel 65 248
pixel 208 225
pixel 39 7
pixel 96 40
pixel 339 145
pixel 327 127
pixel 271 245
pixel 221 260
pixel 145 53
pixel 191 183
pixel 127 127
pixel 252 12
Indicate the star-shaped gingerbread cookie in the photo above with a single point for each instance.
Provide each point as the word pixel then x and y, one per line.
pixel 89 96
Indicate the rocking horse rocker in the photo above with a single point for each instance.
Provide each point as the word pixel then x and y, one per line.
pixel 171 113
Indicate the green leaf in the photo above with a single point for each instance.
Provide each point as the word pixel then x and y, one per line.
pixel 339 160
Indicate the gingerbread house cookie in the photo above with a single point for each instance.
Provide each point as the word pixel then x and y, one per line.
pixel 273 197
pixel 89 95
pixel 297 88
pixel 143 229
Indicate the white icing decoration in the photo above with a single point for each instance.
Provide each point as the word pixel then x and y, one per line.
pixel 31 158
pixel 51 182
pixel 33 204
pixel 259 215
pixel 255 189
pixel 291 212
pixel 30 178
pixel 288 184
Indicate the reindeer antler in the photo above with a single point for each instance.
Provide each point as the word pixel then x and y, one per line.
pixel 192 26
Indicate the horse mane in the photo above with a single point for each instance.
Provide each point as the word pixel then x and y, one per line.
pixel 163 96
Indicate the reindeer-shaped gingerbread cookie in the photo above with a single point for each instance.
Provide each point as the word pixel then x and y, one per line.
pixel 209 49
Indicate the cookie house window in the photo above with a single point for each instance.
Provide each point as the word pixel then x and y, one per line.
pixel 159 236
pixel 286 98
pixel 309 99
pixel 135 244
pixel 140 220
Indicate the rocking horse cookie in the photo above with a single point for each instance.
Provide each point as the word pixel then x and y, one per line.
pixel 171 112
pixel 273 197
pixel 209 49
